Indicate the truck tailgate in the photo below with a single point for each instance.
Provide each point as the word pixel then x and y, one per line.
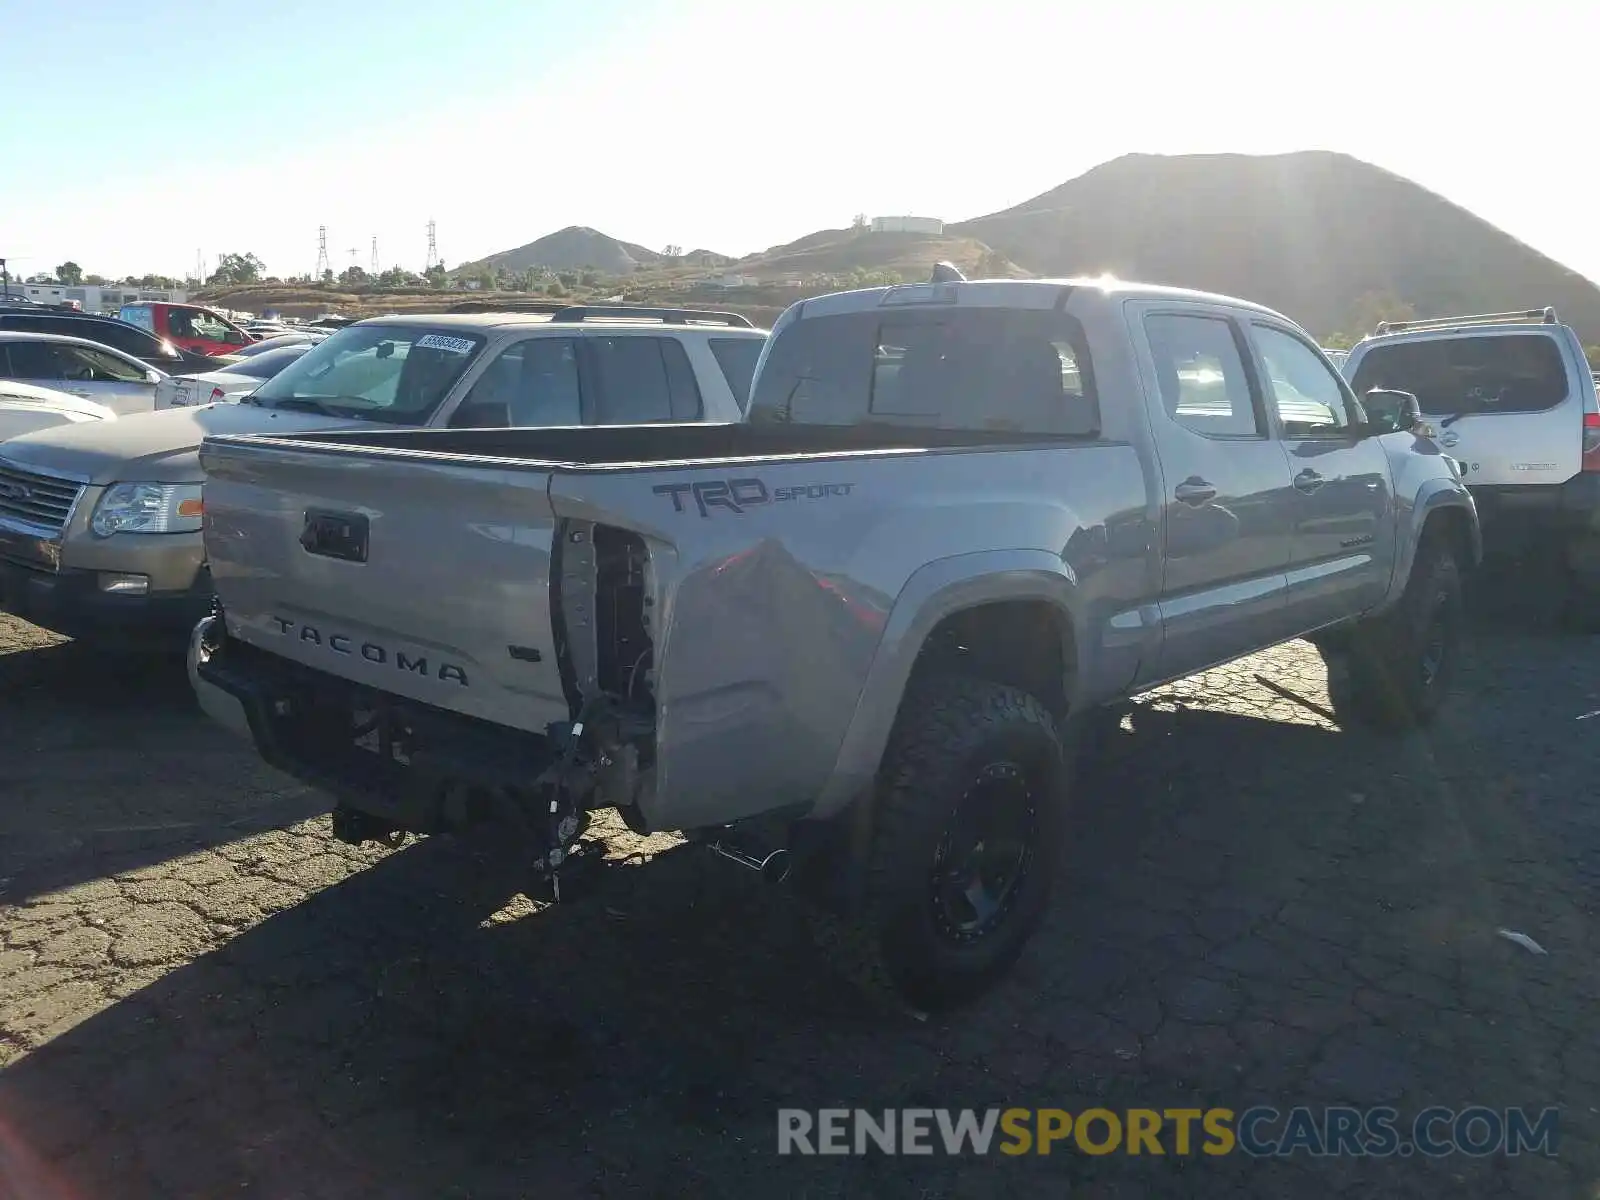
pixel 356 566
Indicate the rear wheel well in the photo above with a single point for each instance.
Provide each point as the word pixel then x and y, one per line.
pixel 1027 644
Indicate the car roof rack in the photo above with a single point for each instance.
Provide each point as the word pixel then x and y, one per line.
pixel 1545 316
pixel 667 316
pixel 494 306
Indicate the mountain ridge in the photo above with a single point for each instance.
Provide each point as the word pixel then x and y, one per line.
pixel 1332 241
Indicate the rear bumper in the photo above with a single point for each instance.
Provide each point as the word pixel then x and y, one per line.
pixel 72 603
pixel 1571 508
pixel 412 766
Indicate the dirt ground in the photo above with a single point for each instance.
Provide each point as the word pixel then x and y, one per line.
pixel 201 994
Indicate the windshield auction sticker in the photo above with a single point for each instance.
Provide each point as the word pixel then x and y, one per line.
pixel 441 341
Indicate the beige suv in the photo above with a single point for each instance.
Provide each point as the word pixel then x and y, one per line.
pixel 100 524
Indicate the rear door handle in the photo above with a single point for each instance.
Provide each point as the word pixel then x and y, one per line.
pixel 1308 480
pixel 1195 491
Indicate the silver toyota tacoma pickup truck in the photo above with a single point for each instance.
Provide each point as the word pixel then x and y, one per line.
pixel 852 639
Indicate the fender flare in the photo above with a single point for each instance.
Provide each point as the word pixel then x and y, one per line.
pixel 932 593
pixel 1435 495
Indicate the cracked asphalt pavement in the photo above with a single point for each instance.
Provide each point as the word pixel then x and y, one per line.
pixel 201 993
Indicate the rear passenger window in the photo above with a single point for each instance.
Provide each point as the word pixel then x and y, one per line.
pixel 32 360
pixel 1201 375
pixel 643 380
pixel 533 383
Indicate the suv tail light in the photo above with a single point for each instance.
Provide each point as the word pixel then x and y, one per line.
pixel 217 394
pixel 1591 441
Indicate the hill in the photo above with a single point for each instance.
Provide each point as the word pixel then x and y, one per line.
pixel 841 251
pixel 1322 237
pixel 575 248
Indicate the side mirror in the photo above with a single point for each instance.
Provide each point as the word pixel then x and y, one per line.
pixel 1390 411
pixel 234 338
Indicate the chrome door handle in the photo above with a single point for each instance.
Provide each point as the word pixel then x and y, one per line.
pixel 1308 480
pixel 1195 491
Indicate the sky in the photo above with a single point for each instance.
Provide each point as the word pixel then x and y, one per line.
pixel 152 131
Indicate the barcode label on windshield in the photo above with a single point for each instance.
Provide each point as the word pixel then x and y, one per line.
pixel 440 341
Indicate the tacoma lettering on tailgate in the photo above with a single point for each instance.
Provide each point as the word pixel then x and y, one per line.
pixel 341 643
pixel 736 495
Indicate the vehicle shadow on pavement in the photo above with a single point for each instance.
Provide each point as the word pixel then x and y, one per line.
pixel 1257 908
pixel 167 783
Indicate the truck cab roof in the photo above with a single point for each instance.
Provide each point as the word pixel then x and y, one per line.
pixel 1014 293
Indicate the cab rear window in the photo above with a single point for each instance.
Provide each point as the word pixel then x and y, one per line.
pixel 1008 370
pixel 140 315
pixel 1503 373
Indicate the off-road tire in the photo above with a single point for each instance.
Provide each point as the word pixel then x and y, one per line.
pixel 954 734
pixel 1395 670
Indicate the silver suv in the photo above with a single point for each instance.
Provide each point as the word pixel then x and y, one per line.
pixel 1512 399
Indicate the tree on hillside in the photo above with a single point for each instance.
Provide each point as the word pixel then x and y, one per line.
pixel 352 275
pixel 673 251
pixel 237 268
pixel 95 280
pixel 150 281
pixel 858 222
pixel 435 275
pixel 41 277
pixel 1369 310
pixel 327 277
pixel 69 273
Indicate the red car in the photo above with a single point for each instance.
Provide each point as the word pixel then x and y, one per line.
pixel 187 326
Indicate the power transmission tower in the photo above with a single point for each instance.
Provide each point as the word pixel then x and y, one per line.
pixel 433 248
pixel 354 250
pixel 375 256
pixel 323 266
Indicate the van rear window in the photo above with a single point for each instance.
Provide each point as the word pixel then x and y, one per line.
pixel 1505 373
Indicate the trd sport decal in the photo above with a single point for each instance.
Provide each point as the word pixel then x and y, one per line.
pixel 737 495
